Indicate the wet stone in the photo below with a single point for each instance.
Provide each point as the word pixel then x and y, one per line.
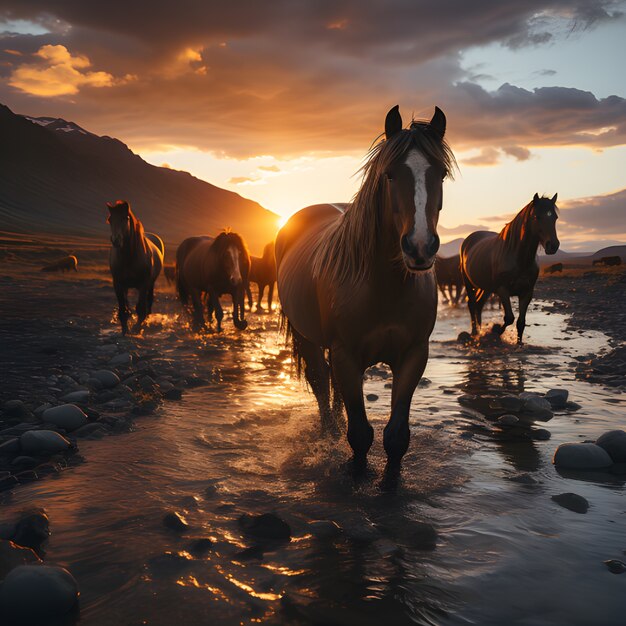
pixel 268 527
pixel 175 521
pixel 173 394
pixel 511 403
pixel 66 416
pixel 523 479
pixel 557 398
pixel 581 456
pixel 572 502
pixel 200 546
pixel 508 420
pixel 540 434
pixel 615 566
pixel 32 530
pixel 10 447
pixel 107 378
pixel 12 555
pixel 81 396
pixel 43 442
pixel 614 442
pixel 371 397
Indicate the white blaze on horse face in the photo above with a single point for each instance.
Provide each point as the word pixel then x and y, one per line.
pixel 419 164
pixel 235 274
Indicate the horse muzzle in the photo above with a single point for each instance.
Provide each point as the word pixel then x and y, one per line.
pixel 551 246
pixel 419 258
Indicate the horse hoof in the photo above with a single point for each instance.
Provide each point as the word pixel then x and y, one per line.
pixel 241 324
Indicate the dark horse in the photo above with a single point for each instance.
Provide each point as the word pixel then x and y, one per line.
pixel 505 263
pixel 449 277
pixel 214 267
pixel 359 283
pixel 66 264
pixel 263 273
pixel 136 259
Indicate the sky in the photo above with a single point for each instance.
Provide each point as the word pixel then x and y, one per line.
pixel 280 101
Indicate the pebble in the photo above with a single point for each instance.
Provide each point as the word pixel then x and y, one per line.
pixel 89 429
pixel 10 447
pixel 511 403
pixel 524 479
pixel 32 530
pixel 615 566
pixel 54 588
pixel 82 395
pixel 121 359
pixel 614 442
pixel 266 527
pixel 581 456
pixel 200 546
pixel 42 442
pixel 508 420
pixel 464 337
pixel 15 408
pixel 107 378
pixel 540 434
pixel 371 397
pixel 557 398
pixel 175 521
pixel 66 416
pixel 12 555
pixel 572 502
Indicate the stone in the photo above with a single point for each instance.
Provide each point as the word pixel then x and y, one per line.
pixel 508 420
pixel 12 555
pixel 15 408
pixel 121 360
pixel 10 447
pixel 572 406
pixel 81 396
pixel 66 416
pixel 614 442
pixel 24 461
pixel 615 566
pixel 324 529
pixel 54 589
pixel 175 521
pixel 464 337
pixel 511 403
pixel 371 397
pixel 537 405
pixel 267 527
pixel 173 394
pixel 557 398
pixel 581 456
pixel 540 434
pixel 107 378
pixel 41 408
pixel 89 429
pixel 572 502
pixel 43 442
pixel 32 530
pixel 200 546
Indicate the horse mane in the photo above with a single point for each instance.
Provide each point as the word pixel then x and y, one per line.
pixel 344 253
pixel 227 238
pixel 137 233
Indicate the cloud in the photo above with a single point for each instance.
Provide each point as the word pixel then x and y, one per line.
pixel 545 73
pixel 487 157
pixel 240 180
pixel 56 72
pixel 595 216
pixel 269 168
pixel 517 152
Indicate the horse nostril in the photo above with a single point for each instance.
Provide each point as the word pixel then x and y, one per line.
pixel 433 246
pixel 406 246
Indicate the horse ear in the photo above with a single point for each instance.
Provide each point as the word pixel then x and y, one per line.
pixel 536 198
pixel 438 122
pixel 109 205
pixel 554 198
pixel 393 122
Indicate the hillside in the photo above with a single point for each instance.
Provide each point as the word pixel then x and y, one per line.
pixel 56 177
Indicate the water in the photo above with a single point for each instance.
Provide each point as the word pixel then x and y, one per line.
pixel 249 442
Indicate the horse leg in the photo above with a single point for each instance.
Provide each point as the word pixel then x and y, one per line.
pixel 197 317
pixel 471 304
pixel 505 300
pixel 239 307
pixel 219 312
pixel 141 308
pixel 406 375
pixel 259 302
pixel 122 306
pixel 249 293
pixel 270 296
pixel 150 298
pixel 349 378
pixel 524 301
pixel 316 372
pixel 479 304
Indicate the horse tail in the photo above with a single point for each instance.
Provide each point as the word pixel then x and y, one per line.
pixel 181 287
pixel 291 337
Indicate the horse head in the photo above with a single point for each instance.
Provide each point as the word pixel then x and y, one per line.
pixel 544 222
pixel 234 257
pixel 415 162
pixel 120 221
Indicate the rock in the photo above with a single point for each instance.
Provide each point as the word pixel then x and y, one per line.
pixel 173 394
pixel 614 442
pixel 572 502
pixel 12 555
pixel 425 382
pixel 175 521
pixel 581 456
pixel 66 416
pixel 15 408
pixel 538 407
pixel 540 434
pixel 10 447
pixel 24 461
pixel 523 479
pixel 94 383
pixel 572 406
pixel 511 403
pixel 41 408
pixel 89 429
pixel 121 360
pixel 557 398
pixel 423 536
pixel 107 378
pixel 82 395
pixel 265 527
pixel 464 337
pixel 32 530
pixel 54 588
pixel 615 566
pixel 324 529
pixel 165 386
pixel 508 420
pixel 42 442
pixel 200 546
pixel 371 397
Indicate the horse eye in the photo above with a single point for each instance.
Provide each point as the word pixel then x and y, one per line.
pixel 549 213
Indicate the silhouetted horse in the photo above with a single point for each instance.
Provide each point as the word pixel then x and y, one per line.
pixel 215 267
pixel 360 283
pixel 263 273
pixel 65 264
pixel 136 259
pixel 506 264
pixel 553 269
pixel 449 278
pixel 608 261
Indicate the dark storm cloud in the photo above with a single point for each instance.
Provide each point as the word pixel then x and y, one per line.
pixel 284 77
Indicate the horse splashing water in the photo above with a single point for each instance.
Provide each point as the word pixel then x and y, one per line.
pixel 214 267
pixel 136 260
pixel 505 263
pixel 357 286
pixel 263 273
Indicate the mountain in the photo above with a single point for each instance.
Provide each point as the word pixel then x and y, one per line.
pixel 619 251
pixel 56 177
pixel 451 248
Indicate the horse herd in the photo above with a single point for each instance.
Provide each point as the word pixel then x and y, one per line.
pixel 356 282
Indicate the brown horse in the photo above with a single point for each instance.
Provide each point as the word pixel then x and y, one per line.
pixel 215 267
pixel 66 264
pixel 449 278
pixel 263 273
pixel 505 263
pixel 359 283
pixel 136 260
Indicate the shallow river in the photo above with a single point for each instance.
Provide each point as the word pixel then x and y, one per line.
pixel 249 443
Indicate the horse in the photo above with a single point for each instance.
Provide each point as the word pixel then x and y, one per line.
pixel 263 273
pixel 554 268
pixel 358 284
pixel 608 261
pixel 449 277
pixel 215 267
pixel 135 259
pixel 505 263
pixel 66 264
